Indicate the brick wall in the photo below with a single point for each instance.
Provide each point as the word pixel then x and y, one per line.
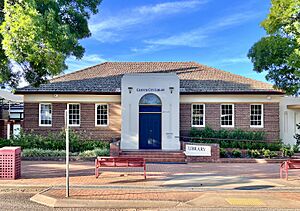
pixel 87 128
pixel 215 153
pixel 241 115
pixel 3 128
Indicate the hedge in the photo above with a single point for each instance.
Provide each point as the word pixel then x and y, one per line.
pixel 239 139
pixel 53 141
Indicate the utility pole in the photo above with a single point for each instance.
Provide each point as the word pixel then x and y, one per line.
pixel 67 153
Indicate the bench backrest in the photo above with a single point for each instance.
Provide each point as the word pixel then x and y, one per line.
pixel 121 162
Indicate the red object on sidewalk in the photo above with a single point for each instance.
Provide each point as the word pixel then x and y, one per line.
pixel 119 162
pixel 289 164
pixel 10 163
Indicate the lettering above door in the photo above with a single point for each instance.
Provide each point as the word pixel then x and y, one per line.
pixel 150 90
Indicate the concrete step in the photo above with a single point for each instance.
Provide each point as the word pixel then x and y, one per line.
pixel 153 154
pixel 157 156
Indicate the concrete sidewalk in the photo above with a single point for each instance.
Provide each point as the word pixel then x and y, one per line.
pixel 132 198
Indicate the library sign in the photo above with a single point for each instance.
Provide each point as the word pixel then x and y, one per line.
pixel 197 150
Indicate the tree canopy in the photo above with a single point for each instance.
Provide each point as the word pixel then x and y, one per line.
pixel 39 35
pixel 279 52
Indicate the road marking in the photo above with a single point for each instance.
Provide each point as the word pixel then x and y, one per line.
pixel 245 201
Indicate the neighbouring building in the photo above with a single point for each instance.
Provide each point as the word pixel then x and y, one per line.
pixel 289 118
pixel 150 105
pixel 11 114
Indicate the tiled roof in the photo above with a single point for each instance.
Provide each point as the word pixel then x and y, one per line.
pixel 194 78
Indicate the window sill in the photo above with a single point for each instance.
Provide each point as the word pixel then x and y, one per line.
pixel 252 126
pixel 227 126
pixel 100 126
pixel 198 125
pixel 45 125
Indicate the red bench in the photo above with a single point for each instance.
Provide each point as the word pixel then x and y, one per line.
pixel 289 164
pixel 120 162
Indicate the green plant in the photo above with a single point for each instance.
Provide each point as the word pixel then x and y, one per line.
pixel 44 153
pixel 287 150
pixel 238 139
pixel 296 148
pixel 253 153
pixel 223 153
pixel 54 141
pixel 236 153
pixel 94 153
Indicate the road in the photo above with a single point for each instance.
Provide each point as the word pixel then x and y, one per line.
pixel 18 199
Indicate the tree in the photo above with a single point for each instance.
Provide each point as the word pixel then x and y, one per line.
pixel 278 53
pixel 39 35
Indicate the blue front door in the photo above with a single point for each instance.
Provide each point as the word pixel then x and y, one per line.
pixel 150 131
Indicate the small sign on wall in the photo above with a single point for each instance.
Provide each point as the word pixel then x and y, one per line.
pixel 197 150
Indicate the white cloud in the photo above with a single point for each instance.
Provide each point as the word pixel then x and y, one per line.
pixel 199 37
pixel 169 7
pixel 235 60
pixel 114 28
pixel 86 61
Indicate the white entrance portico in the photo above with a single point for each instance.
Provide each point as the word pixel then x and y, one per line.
pixel 150 111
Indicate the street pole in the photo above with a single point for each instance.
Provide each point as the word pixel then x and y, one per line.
pixel 67 153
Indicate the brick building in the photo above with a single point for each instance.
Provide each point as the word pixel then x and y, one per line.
pixel 150 105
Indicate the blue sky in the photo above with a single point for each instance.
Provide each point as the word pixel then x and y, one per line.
pixel 217 33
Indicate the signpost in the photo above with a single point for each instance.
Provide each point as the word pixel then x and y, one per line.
pixel 67 153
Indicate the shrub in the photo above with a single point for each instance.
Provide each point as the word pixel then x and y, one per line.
pixel 94 153
pixel 253 153
pixel 54 141
pixel 236 153
pixel 44 153
pixel 223 153
pixel 237 134
pixel 296 148
pixel 287 150
pixel 254 139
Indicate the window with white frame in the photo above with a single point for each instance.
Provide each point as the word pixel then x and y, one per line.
pixel 74 114
pixel 227 115
pixel 45 114
pixel 256 115
pixel 101 114
pixel 198 115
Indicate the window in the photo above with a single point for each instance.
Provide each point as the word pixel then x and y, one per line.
pixel 227 115
pixel 45 114
pixel 198 115
pixel 256 118
pixel 74 114
pixel 101 115
pixel 150 99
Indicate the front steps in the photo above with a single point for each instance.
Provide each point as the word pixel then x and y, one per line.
pixel 157 156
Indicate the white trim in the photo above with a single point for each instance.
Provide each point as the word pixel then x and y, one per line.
pixel 229 99
pixel 72 98
pixel 96 125
pixel 200 126
pixel 76 125
pixel 45 125
pixel 262 116
pixel 233 116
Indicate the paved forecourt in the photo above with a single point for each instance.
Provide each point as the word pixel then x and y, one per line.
pixel 167 185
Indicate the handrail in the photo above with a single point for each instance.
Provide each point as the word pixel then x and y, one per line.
pixel 224 139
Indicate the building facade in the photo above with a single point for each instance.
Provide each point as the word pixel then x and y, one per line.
pixel 289 118
pixel 151 105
